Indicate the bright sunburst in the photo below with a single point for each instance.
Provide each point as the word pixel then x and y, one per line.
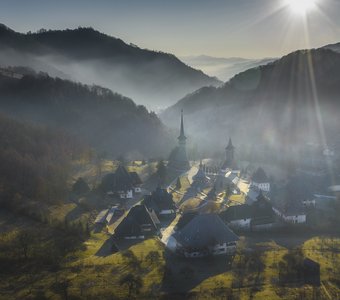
pixel 301 6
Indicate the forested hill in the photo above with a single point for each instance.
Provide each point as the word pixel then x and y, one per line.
pixel 152 78
pixel 107 121
pixel 35 163
pixel 292 101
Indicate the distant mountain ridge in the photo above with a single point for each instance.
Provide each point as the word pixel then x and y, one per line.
pixel 334 47
pixel 224 68
pixel 86 55
pixel 281 103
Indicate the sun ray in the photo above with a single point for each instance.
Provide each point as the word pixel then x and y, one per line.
pixel 301 6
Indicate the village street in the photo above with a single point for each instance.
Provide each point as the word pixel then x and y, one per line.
pixel 243 185
pixel 167 238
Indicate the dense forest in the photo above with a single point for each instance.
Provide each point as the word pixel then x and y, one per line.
pixel 35 163
pixel 107 121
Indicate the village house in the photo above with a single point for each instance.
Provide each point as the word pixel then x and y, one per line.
pixel 291 214
pixel 122 183
pixel 139 223
pixel 237 216
pixel 289 207
pixel 321 202
pixel 263 215
pixel 257 216
pixel 161 202
pixel 185 218
pixel 260 180
pixel 205 235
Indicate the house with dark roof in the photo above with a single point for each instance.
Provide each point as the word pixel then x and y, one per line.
pixel 139 223
pixel 263 215
pixel 288 201
pixel 237 216
pixel 260 180
pixel 319 202
pixel 185 218
pixel 161 202
pixel 257 216
pixel 205 235
pixel 123 183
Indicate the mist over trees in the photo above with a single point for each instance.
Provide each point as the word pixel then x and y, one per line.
pixel 284 104
pixel 105 120
pixel 35 163
pixel 152 78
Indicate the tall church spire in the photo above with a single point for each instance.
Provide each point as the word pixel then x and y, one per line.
pixel 230 145
pixel 182 138
pixel 229 156
pixel 178 159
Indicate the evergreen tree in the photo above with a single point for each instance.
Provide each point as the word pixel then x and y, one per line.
pixel 161 171
pixel 80 187
pixel 178 184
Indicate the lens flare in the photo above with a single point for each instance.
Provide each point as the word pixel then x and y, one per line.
pixel 301 6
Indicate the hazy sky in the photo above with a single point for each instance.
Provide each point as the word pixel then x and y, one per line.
pixel 245 28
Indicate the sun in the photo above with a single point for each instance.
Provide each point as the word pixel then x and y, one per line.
pixel 301 7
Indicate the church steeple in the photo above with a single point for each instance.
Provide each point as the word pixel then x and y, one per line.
pixel 178 159
pixel 230 145
pixel 182 138
pixel 230 152
pixel 229 156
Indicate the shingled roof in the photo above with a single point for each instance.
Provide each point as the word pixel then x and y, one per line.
pixel 121 180
pixel 160 200
pixel 139 221
pixel 260 209
pixel 205 230
pixel 236 212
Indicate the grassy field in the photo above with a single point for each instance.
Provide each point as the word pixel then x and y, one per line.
pixel 89 269
pixel 85 268
pixel 237 199
pixel 64 264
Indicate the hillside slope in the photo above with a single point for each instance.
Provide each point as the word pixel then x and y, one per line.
pixel 107 121
pixel 290 102
pixel 152 78
pixel 224 68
